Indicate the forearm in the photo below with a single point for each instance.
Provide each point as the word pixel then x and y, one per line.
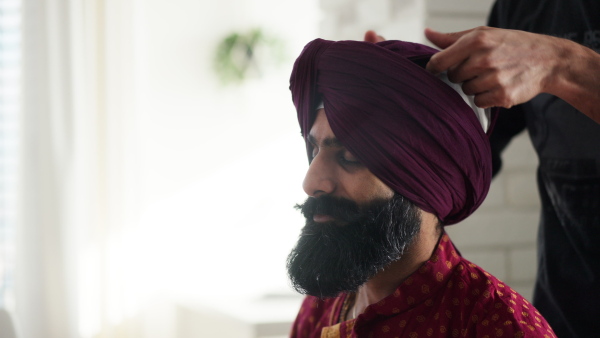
pixel 576 78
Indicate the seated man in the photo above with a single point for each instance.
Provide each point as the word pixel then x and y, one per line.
pixel 395 155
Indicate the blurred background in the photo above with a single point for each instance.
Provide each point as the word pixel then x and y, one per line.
pixel 150 158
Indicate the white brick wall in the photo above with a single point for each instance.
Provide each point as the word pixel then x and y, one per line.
pixel 501 235
pixel 349 19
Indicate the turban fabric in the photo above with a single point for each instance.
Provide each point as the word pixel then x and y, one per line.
pixel 411 130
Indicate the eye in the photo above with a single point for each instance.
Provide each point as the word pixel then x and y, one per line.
pixel 314 152
pixel 346 158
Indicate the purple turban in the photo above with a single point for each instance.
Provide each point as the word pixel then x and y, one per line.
pixel 414 132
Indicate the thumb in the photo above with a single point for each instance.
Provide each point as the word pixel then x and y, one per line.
pixel 371 36
pixel 444 40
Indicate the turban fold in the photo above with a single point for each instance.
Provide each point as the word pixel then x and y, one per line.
pixel 414 132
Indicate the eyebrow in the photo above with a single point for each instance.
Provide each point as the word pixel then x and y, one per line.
pixel 330 142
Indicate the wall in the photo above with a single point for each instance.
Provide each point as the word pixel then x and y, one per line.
pixel 501 235
pixel 222 166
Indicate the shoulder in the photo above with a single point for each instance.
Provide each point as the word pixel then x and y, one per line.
pixel 498 310
pixel 313 315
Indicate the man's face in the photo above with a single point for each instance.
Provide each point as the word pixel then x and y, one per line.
pixel 355 224
pixel 335 171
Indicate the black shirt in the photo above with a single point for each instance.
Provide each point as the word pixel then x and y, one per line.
pixel 567 290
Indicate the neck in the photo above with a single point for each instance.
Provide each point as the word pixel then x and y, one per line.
pixel 385 282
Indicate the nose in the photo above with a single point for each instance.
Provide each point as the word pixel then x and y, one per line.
pixel 320 178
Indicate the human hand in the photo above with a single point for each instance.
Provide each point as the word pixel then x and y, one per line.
pixel 499 67
pixel 371 36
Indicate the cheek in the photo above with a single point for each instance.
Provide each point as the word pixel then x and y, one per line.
pixel 369 187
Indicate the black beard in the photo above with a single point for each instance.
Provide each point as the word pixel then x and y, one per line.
pixel 340 256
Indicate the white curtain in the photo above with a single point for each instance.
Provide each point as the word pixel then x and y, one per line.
pixel 78 172
pixel 125 206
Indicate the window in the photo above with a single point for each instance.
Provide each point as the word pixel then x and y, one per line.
pixel 10 45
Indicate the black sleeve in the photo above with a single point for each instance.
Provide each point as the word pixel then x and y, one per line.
pixel 494 17
pixel 509 123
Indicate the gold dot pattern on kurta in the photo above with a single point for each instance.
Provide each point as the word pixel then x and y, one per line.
pixel 349 328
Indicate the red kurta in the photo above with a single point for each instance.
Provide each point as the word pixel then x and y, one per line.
pixel 447 297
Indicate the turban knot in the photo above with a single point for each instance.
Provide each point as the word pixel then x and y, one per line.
pixel 410 129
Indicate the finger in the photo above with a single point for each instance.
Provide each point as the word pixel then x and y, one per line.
pixel 479 85
pixel 500 96
pixel 457 53
pixel 507 82
pixel 467 70
pixel 490 99
pixel 371 36
pixel 444 40
pixel 444 60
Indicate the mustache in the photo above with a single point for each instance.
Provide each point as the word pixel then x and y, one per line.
pixel 341 209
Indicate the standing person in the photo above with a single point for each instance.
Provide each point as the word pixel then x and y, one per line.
pixel 550 85
pixel 395 155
